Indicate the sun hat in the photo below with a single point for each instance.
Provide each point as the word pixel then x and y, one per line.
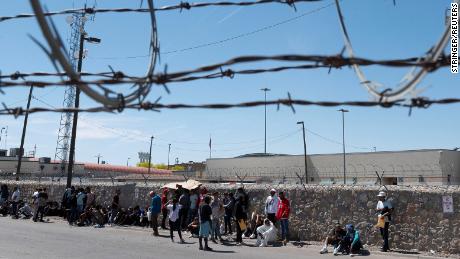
pixel 382 194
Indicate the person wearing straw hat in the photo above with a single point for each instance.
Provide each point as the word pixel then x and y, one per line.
pixel 385 209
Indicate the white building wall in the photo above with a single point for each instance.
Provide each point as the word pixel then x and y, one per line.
pixel 407 167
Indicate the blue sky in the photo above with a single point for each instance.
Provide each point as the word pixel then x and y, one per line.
pixel 378 30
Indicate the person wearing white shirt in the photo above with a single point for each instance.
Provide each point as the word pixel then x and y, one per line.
pixel 174 222
pixel 271 206
pixel 385 209
pixel 15 199
pixel 266 233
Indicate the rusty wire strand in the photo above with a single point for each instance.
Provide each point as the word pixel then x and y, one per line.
pixel 316 61
pixel 181 6
pixel 419 102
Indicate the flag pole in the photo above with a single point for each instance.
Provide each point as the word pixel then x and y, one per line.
pixel 210 145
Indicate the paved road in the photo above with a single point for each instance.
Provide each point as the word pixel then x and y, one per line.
pixel 56 239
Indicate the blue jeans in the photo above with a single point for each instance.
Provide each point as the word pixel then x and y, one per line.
pixel 215 229
pixel 284 229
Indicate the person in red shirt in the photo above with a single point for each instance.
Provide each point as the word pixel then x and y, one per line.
pixel 284 208
pixel 164 210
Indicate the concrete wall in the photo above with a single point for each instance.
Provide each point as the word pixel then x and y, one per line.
pixel 419 221
pixel 423 167
pixel 34 168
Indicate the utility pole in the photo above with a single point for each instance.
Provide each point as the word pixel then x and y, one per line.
pixel 98 158
pixel 77 104
pixel 265 92
pixel 169 151
pixel 150 154
pixel 343 144
pixel 127 161
pixel 35 150
pixel 304 150
pixel 21 148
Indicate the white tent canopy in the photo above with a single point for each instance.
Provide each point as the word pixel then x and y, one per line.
pixel 189 185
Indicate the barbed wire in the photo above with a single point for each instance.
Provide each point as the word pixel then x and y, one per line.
pixel 181 6
pixel 58 56
pixel 420 102
pixel 317 61
pixel 410 81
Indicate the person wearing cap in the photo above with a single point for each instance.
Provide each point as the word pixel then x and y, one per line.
pixel 155 209
pixel 385 209
pixel 271 206
pixel 334 237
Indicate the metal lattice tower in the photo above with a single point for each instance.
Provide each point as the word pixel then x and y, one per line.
pixel 65 126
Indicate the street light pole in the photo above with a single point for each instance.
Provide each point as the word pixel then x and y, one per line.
pixel 265 106
pixel 304 150
pixel 77 105
pixel 343 144
pixel 150 154
pixel 169 151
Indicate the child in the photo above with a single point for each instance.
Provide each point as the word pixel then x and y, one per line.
pixel 194 227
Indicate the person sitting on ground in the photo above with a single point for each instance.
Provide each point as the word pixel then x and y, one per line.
pixel 97 216
pixel 143 220
pixel 351 243
pixel 334 237
pixel 26 211
pixel 256 221
pixel 194 227
pixel 266 233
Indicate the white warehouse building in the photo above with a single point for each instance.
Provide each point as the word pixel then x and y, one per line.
pixel 411 167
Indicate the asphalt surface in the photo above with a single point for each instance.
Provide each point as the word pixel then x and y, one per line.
pixel 56 239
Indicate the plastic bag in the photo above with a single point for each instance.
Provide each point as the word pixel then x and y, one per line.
pixel 380 222
pixel 242 224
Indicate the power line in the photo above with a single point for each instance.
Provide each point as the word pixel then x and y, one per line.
pixel 181 6
pixel 235 37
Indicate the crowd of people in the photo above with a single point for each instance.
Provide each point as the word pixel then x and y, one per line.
pixel 206 216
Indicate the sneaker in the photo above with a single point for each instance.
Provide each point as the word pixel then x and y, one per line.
pixel 262 245
pixel 252 236
pixel 336 250
pixel 207 248
pixel 258 243
pixel 200 248
pixel 324 250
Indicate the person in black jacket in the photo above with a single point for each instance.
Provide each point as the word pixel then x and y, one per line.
pixel 205 213
pixel 240 218
pixel 229 204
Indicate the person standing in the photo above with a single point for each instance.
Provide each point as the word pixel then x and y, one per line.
pixel 284 209
pixel 205 213
pixel 65 205
pixel 4 194
pixel 90 199
pixel 115 206
pixel 229 205
pixel 174 219
pixel 240 218
pixel 164 210
pixel 15 200
pixel 271 206
pixel 155 209
pixel 184 201
pixel 72 203
pixel 217 212
pixel 81 202
pixel 194 200
pixel 385 210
